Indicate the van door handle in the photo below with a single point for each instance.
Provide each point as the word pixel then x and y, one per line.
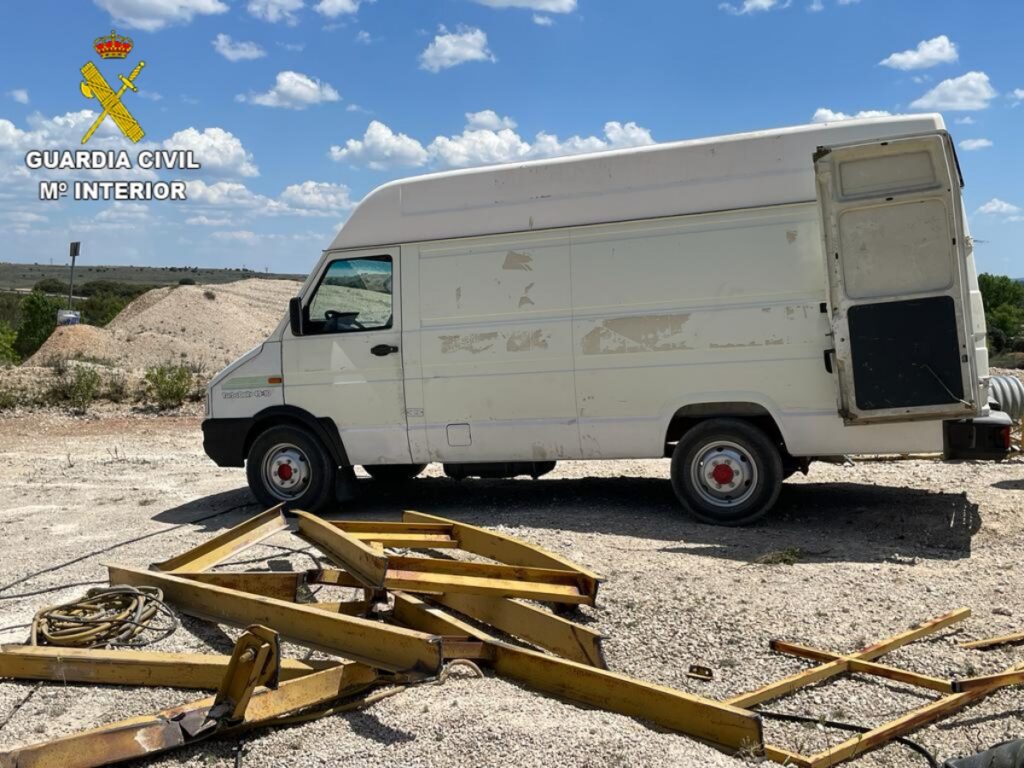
pixel 383 349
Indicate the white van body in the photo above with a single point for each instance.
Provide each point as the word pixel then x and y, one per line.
pixel 590 307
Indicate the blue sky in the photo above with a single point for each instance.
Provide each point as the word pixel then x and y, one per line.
pixel 298 108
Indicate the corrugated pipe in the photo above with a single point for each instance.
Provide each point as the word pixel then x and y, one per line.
pixel 1008 392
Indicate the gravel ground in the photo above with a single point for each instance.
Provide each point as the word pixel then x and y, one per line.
pixel 878 547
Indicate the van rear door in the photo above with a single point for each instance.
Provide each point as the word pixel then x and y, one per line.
pixel 899 296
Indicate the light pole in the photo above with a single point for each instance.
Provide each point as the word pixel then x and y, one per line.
pixel 75 246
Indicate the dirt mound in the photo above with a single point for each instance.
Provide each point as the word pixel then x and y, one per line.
pixel 80 342
pixel 205 325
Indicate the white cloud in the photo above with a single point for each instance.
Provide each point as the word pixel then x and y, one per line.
pixel 224 194
pixel 124 212
pixel 20 95
pixel 317 196
pixel 381 148
pixel 237 50
pixel 488 119
pixel 971 145
pixel 548 6
pixel 968 92
pixel 293 90
pixel 216 150
pixel 1017 95
pixel 965 120
pixel 542 21
pixel 275 10
pixel 816 6
pixel 478 146
pixel 334 8
pixel 998 207
pixel 753 6
pixel 239 235
pixel 826 115
pixel 929 53
pixel 486 139
pixel 364 37
pixel 151 15
pixel 449 49
pixel 206 221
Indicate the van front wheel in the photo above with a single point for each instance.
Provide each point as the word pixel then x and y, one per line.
pixel 289 464
pixel 726 472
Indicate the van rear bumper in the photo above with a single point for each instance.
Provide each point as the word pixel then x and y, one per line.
pixel 986 438
pixel 224 440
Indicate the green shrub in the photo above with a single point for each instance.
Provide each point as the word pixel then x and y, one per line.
pixel 116 390
pixel 8 398
pixel 51 285
pixel 101 308
pixel 78 387
pixel 186 281
pixel 7 336
pixel 169 385
pixel 38 319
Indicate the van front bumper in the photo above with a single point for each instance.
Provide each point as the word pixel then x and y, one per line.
pixel 224 440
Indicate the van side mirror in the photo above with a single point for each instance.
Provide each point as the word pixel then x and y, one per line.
pixel 295 315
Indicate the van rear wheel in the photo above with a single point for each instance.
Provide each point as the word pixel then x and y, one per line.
pixel 393 473
pixel 289 464
pixel 726 472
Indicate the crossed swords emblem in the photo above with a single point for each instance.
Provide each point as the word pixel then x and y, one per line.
pixel 95 86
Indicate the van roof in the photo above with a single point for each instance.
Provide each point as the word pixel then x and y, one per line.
pixel 743 170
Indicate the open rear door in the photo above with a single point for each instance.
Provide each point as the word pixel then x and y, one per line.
pixel 899 301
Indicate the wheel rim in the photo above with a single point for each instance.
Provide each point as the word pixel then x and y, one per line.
pixel 724 474
pixel 286 472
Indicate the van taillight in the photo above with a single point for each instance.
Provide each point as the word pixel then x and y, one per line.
pixel 1005 432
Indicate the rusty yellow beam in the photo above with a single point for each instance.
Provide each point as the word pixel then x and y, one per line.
pixel 123 667
pixel 883 734
pixel 437 583
pixel 506 549
pixel 992 642
pixel 534 625
pixel 408 540
pixel 369 566
pixel 841 665
pixel 989 682
pixel 230 543
pixel 139 737
pixel 866 667
pixel 348 607
pixel 281 585
pixel 370 642
pixel 408 535
pixel 557 585
pixel 724 726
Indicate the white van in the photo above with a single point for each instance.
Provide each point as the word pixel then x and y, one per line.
pixel 741 304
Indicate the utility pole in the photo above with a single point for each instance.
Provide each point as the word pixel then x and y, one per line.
pixel 75 246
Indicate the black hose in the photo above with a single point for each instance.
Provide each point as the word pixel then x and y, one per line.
pixel 912 745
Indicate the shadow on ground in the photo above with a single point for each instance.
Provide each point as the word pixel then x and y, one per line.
pixel 842 522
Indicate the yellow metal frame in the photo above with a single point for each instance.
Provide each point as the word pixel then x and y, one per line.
pixel 423 635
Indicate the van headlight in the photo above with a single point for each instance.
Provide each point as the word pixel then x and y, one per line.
pixel 208 407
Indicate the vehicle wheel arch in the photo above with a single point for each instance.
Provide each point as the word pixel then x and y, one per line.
pixel 757 410
pixel 323 428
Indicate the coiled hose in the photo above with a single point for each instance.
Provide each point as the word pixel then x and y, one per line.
pixel 107 616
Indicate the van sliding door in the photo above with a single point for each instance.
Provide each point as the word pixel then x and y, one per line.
pixel 896 268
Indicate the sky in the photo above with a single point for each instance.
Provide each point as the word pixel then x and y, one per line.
pixel 298 108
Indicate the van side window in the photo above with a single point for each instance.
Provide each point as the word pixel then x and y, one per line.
pixel 353 295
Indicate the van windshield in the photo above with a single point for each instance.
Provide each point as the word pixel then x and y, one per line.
pixel 353 295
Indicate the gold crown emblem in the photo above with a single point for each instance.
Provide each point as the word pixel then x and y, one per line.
pixel 114 46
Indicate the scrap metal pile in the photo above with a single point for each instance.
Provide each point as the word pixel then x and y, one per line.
pixel 415 616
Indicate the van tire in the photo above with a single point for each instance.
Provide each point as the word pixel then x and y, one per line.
pixel 744 489
pixel 311 472
pixel 393 473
